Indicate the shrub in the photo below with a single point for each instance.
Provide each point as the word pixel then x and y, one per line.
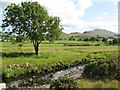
pixel 20 45
pixel 64 82
pixel 102 69
pixel 97 44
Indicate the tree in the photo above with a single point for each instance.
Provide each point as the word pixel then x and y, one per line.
pixel 92 39
pixel 54 29
pixel 115 41
pixel 104 40
pixel 86 39
pixel 19 38
pixel 32 19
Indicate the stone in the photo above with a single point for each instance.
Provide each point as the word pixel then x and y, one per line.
pixel 2 86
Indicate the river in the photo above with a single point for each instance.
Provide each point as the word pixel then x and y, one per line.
pixel 74 72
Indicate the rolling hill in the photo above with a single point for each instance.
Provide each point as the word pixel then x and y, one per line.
pixel 101 33
pixel 93 33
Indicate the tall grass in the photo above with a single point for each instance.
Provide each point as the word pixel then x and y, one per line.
pixel 85 83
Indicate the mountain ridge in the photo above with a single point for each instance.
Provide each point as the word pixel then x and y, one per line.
pixel 94 33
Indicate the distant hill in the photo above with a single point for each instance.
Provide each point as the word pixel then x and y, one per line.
pixel 75 33
pixel 64 35
pixel 92 33
pixel 100 32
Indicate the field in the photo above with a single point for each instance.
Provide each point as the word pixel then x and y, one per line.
pixel 83 83
pixel 51 55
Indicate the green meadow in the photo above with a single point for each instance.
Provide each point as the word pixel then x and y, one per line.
pixel 53 53
pixel 50 54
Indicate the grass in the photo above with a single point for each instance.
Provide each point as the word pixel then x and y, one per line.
pixel 85 83
pixel 51 54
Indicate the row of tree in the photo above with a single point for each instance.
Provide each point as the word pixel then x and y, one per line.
pixel 108 40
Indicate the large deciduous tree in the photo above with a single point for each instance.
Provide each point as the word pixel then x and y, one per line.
pixel 33 20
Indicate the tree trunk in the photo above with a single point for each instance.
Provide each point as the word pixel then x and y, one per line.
pixel 36 48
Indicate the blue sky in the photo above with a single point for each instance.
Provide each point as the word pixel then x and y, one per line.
pixel 107 10
pixel 79 15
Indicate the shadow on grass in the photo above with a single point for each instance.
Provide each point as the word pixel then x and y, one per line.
pixel 16 54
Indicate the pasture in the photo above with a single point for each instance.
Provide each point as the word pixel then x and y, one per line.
pixel 53 53
pixel 50 54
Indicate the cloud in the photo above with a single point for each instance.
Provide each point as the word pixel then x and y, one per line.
pixel 111 26
pixel 68 10
pixel 71 13
pixel 98 18
pixel 100 24
pixel 105 13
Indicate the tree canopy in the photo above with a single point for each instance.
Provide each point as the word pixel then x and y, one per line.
pixel 32 19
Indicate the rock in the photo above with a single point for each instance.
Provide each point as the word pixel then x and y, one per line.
pixel 2 86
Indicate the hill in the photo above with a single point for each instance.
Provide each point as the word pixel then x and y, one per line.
pixel 101 33
pixel 93 33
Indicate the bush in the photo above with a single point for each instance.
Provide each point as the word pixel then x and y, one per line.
pixel 76 44
pixel 103 69
pixel 64 82
pixel 20 45
pixel 97 44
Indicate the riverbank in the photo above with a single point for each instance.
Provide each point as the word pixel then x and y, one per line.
pixel 73 72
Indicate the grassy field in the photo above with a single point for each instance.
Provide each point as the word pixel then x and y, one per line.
pixel 85 83
pixel 51 54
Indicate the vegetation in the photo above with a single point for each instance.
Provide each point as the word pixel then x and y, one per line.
pixel 15 56
pixel 32 19
pixel 64 82
pixel 108 84
pixel 102 69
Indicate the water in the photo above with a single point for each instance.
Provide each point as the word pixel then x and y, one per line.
pixel 74 72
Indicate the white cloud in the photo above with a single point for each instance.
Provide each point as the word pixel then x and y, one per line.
pixel 1 11
pixel 105 13
pixel 112 26
pixel 67 10
pixel 71 12
pixel 12 1
pixel 98 18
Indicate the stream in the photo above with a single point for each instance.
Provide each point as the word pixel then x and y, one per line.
pixel 74 72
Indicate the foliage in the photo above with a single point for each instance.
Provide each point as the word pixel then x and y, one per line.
pixel 64 82
pixel 19 38
pixel 32 19
pixel 92 39
pixel 115 41
pixel 104 40
pixel 102 70
pixel 7 37
pixel 86 39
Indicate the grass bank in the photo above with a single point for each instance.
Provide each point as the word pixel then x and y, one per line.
pixel 50 55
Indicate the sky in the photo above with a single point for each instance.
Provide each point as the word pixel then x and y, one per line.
pixel 78 15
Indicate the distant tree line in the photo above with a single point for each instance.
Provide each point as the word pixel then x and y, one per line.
pixel 6 37
pixel 109 40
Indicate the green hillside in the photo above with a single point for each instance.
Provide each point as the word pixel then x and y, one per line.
pixel 92 33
